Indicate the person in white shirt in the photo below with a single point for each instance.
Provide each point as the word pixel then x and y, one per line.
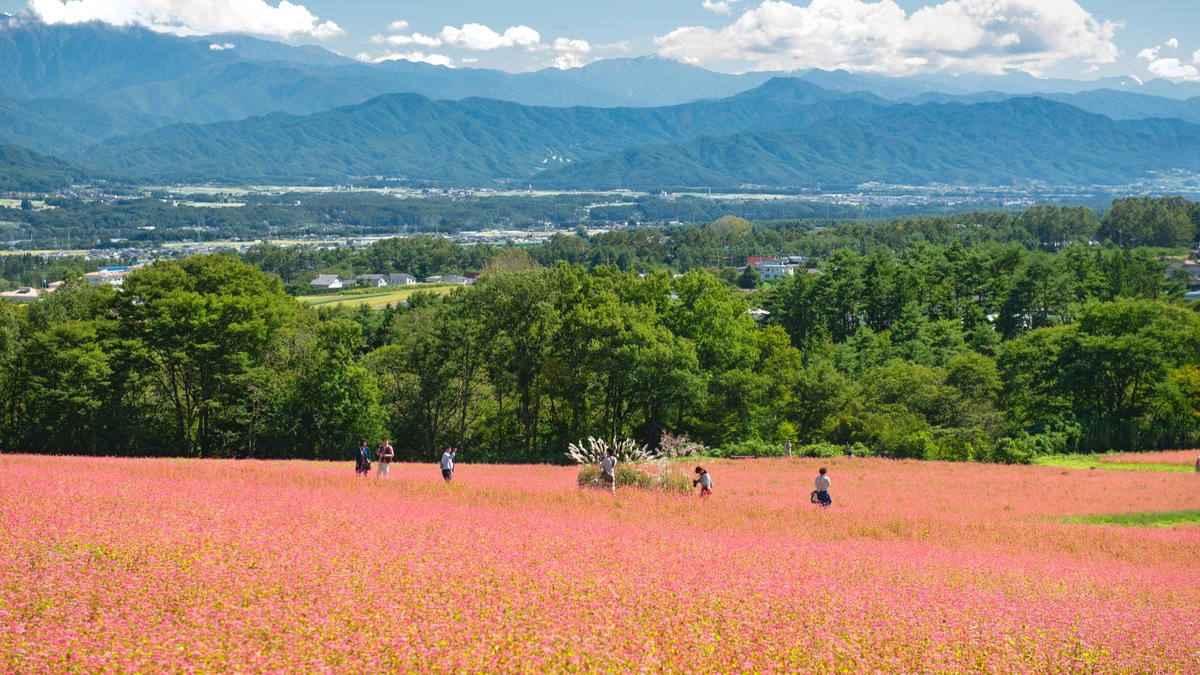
pixel 384 454
pixel 822 491
pixel 704 481
pixel 608 471
pixel 448 462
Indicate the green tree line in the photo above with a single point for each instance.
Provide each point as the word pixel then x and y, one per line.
pixel 992 352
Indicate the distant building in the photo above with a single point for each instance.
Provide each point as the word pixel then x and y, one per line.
pixel 111 276
pixel 456 279
pixel 1188 269
pixel 376 280
pixel 775 270
pixel 776 267
pixel 23 294
pixel 30 294
pixel 327 282
pixel 401 279
pixel 435 279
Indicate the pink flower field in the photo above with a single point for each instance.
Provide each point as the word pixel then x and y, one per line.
pixel 1172 457
pixel 212 566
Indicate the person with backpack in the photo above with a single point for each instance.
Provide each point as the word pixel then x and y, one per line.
pixel 362 458
pixel 608 471
pixel 704 481
pixel 384 454
pixel 448 463
pixel 821 494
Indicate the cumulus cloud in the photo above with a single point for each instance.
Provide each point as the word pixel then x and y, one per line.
pixel 568 52
pixel 478 37
pixel 413 39
pixel 1170 67
pixel 1174 69
pixel 956 36
pixel 224 46
pixel 719 6
pixel 417 57
pixel 192 17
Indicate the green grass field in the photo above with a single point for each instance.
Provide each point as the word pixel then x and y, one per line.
pixel 1093 462
pixel 1165 519
pixel 374 298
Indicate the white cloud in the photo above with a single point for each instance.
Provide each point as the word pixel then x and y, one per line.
pixel 221 47
pixel 956 36
pixel 418 57
pixel 570 53
pixel 192 17
pixel 1170 67
pixel 414 39
pixel 478 37
pixel 719 6
pixel 1174 69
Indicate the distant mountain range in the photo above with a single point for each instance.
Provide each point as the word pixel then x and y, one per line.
pixel 149 106
pixel 23 170
pixel 786 133
pixel 1019 141
pixel 471 142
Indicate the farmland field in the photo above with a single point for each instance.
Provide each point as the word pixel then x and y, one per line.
pixel 374 298
pixel 188 565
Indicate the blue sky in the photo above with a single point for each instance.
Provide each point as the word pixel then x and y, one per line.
pixel 1080 39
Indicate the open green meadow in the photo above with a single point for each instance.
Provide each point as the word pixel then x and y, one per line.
pixel 374 298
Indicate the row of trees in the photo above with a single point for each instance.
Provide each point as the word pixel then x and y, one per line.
pixel 1130 223
pixel 727 242
pixel 936 351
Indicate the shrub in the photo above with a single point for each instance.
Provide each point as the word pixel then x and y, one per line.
pixel 830 450
pixel 659 476
pixel 753 448
pixel 1024 448
pixel 672 446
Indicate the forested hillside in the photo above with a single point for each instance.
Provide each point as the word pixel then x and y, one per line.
pixel 980 337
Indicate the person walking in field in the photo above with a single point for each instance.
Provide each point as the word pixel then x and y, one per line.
pixel 448 463
pixel 821 494
pixel 704 481
pixel 384 454
pixel 608 471
pixel 362 458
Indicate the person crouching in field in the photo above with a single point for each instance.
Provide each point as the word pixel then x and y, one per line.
pixel 704 481
pixel 362 458
pixel 821 494
pixel 608 471
pixel 384 454
pixel 448 463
